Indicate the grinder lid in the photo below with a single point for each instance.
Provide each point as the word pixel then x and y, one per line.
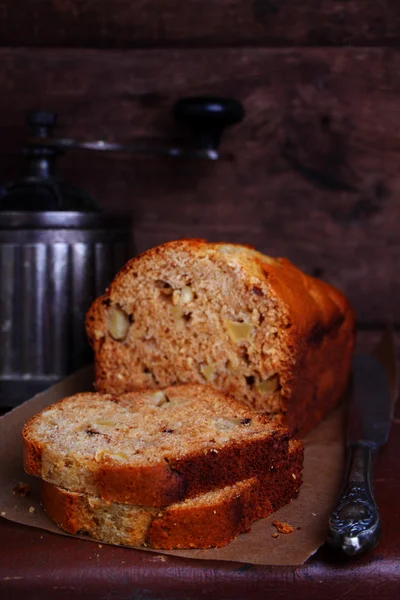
pixel 63 220
pixel 40 189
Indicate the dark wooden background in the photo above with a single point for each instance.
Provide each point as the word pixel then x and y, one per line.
pixel 315 168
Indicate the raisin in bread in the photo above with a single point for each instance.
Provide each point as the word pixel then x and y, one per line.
pixel 250 325
pixel 151 448
pixel 212 519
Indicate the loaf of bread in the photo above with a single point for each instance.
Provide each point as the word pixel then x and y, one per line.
pixel 212 519
pixel 221 314
pixel 151 448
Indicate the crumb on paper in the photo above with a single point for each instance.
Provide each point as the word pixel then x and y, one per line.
pixel 283 527
pixel 31 509
pixel 3 514
pixel 23 489
pixel 275 535
pixel 99 545
pixel 314 514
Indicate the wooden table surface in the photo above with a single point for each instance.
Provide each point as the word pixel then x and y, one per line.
pixel 35 564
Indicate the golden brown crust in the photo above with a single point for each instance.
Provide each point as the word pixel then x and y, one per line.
pixel 63 508
pixel 199 523
pixel 96 314
pixel 157 485
pixel 193 474
pixel 183 526
pixel 316 327
pixel 202 527
pixel 323 336
pixel 32 456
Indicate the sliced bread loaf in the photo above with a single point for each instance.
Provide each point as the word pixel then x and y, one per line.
pixel 212 519
pixel 250 325
pixel 151 448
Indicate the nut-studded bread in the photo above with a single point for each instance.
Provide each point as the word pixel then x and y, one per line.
pixel 223 314
pixel 212 519
pixel 152 447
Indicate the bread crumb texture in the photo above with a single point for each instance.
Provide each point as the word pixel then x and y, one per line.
pixel 151 447
pixel 226 315
pixel 22 489
pixel 283 527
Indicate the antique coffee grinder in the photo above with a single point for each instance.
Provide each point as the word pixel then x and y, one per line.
pixel 58 250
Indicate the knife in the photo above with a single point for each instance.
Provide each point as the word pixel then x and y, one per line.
pixel 355 525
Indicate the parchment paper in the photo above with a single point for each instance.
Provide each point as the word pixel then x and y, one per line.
pixel 307 514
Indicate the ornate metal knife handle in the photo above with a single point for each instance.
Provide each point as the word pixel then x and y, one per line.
pixel 355 525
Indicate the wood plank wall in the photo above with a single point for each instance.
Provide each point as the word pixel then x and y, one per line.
pixel 314 170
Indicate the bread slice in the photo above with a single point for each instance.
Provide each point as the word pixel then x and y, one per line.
pixel 250 325
pixel 151 448
pixel 212 519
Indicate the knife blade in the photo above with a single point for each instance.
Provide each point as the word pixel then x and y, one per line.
pixel 355 525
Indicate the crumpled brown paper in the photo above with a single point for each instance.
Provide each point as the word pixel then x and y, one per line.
pixel 308 514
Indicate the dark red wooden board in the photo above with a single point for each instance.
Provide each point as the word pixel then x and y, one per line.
pixel 198 23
